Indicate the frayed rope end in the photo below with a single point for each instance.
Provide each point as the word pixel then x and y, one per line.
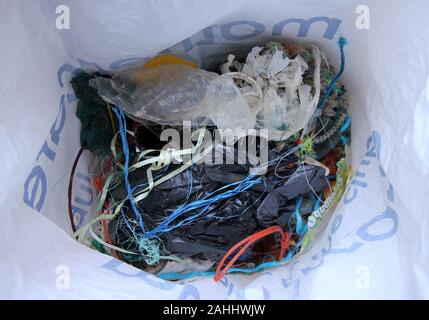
pixel 342 41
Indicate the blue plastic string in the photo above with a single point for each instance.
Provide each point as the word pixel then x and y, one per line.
pixel 344 127
pixel 123 132
pixel 316 201
pixel 299 227
pixel 341 42
pixel 189 275
pixel 204 204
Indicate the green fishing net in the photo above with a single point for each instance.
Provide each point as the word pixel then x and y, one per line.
pixel 96 133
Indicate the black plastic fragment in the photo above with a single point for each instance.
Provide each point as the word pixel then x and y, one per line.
pixel 306 179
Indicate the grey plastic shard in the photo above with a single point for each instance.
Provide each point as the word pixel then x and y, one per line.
pixel 188 265
pixel 305 179
pixel 171 94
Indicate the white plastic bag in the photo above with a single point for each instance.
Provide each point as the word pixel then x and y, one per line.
pixel 375 244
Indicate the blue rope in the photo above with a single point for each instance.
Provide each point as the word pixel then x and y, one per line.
pixel 345 126
pixel 123 132
pixel 259 268
pixel 316 201
pixel 204 204
pixel 299 227
pixel 341 42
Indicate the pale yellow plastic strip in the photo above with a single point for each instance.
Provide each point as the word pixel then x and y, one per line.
pixel 144 193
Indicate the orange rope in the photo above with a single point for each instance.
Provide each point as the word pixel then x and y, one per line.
pixel 99 186
pixel 285 241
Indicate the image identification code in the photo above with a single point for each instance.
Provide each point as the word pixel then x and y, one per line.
pixel 215 309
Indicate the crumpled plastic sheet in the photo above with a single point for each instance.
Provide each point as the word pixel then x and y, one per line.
pixel 171 94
